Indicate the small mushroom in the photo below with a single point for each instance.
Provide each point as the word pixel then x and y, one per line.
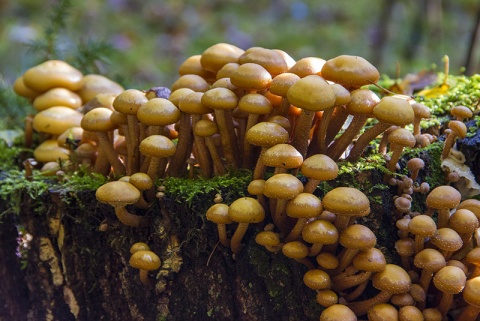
pixel 145 261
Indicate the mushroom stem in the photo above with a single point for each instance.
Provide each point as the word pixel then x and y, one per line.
pixel 129 219
pixel 340 115
pixel 296 230
pixel 302 131
pixel 184 146
pixel 226 129
pixel 222 234
pixel 469 313
pixel 338 147
pixel 145 279
pixel 132 148
pixel 110 153
pixel 347 282
pixel 322 130
pixel 364 139
pixel 235 242
pixel 361 307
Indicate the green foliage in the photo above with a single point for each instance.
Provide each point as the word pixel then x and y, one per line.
pixel 13 108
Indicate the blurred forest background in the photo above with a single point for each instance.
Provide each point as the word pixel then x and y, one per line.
pixel 141 44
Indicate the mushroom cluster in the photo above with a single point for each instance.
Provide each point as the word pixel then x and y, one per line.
pixel 282 119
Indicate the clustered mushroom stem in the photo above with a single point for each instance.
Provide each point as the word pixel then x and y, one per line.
pixel 201 152
pixel 110 153
pixel 469 313
pixel 235 242
pixel 247 147
pixel 357 292
pixel 350 281
pixel 144 278
pixel 338 147
pixel 322 129
pixel 337 120
pixel 222 234
pixel 132 149
pixel 296 230
pixel 361 307
pixel 448 144
pixel 364 139
pixel 184 145
pixel 227 134
pixel 279 217
pixel 315 249
pixel 259 170
pixel 219 168
pixel 302 131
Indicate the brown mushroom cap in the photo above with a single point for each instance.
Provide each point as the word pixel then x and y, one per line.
pixel 52 74
pixel 194 82
pixel 98 120
pixel 246 210
pixel 141 181
pixel 362 101
pixel 251 76
pixel 192 104
pixel 295 250
pixel 282 156
pixel 49 151
pixel 312 93
pixel 269 59
pixel 382 312
pixel 266 134
pixel 282 186
pixel 371 260
pixel 268 238
pixel 319 167
pixel 393 279
pixel 338 312
pixel 350 71
pixel 450 279
pixel 304 205
pixel 158 112
pixel 138 246
pixel 157 146
pixel 282 82
pixel 358 237
pixel 214 57
pixel 129 101
pixel 447 239
pixel 218 213
pixel 317 279
pixel 443 197
pixel 471 292
pixel 117 193
pixel 307 66
pixel 461 112
pixel 320 231
pixel 192 65
pixel 394 110
pixel 346 201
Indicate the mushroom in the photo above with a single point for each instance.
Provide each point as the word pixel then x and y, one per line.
pixel 318 168
pixel 51 74
pixel 307 66
pixel 311 94
pixel 244 211
pixel 450 280
pixel 464 222
pixel 382 312
pixel 338 312
pixel 346 203
pixel 270 240
pixel 317 279
pixel 98 121
pixel 218 214
pixel 272 60
pixel 206 128
pixel 57 97
pixel 298 251
pixel 442 199
pixel 458 130
pixel 392 280
pixel 473 258
pixel 461 112
pixel 405 248
pixel 142 182
pixel 145 261
pixel 420 111
pixel 414 165
pixel 423 227
pixel 399 139
pixel 471 295
pixel 319 233
pixel 216 56
pixel 326 298
pixel 303 207
pixel 156 148
pixel 447 241
pixel 429 261
pixel 282 157
pixel 409 312
pixel 191 81
pixel 120 194
pixel 94 85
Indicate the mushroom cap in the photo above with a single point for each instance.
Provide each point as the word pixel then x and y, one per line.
pixel 410 312
pixel 371 260
pixel 128 101
pixel 429 259
pixel 307 66
pixel 317 279
pixel 443 197
pixel 295 250
pixel 450 279
pixel 145 260
pixel 312 93
pixel 57 97
pixel 192 104
pixel 94 84
pixel 326 298
pixel 394 110
pixel 71 136
pixel 472 205
pixel 254 103
pixel 256 187
pixel 471 292
pixel 269 59
pixel 157 146
pixel 55 120
pixel 141 181
pixel 338 312
pixel 461 112
pixel 304 205
pixel 194 82
pixel 117 193
pixel 358 237
pixel 218 213
pixel 473 257
pixel 214 57
pixel 463 221
pixel 447 239
pixel 22 90
pixel 350 71
pixel 219 98
pixel 458 127
pixel 282 156
pixel 227 70
pixel 362 101
pixel 415 164
pixel 393 279
pixel 346 201
pixel 420 110
pixel 402 137
pixel 158 112
pixel 267 238
pixel 49 151
pixel 192 65
pixel 320 167
pixel 179 94
pixel 405 246
pixel 139 246
pixel 251 76
pixel 246 210
pixel 342 95
pixel 205 128
pixel 266 134
pixel 52 74
pixel 98 120
pixel 422 225
pixel 282 82
pixel 282 186
pixel 327 260
pixel 320 231
pixel 382 312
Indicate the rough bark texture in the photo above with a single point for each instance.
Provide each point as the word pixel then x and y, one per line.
pixel 73 271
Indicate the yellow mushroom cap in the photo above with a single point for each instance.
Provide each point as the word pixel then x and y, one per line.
pixel 51 74
pixel 55 120
pixel 138 246
pixel 394 110
pixel 350 71
pixel 49 151
pixel 214 57
pixel 338 312
pixel 157 146
pixel 98 120
pixel 246 210
pixel 312 93
pixel 346 201
pixel 317 279
pixel 57 97
pixel 158 112
pixel 21 89
pixel 218 213
pixel 117 193
pixel 94 84
pixel 393 279
pixel 443 197
pixel 282 186
pixel 145 260
pixel 266 134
